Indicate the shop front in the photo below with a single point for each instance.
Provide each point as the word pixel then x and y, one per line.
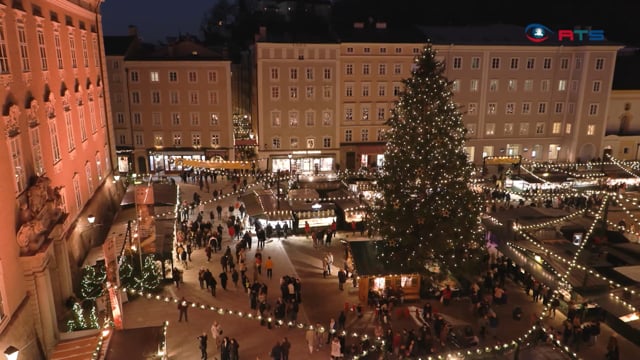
pixel 364 156
pixel 168 160
pixel 304 161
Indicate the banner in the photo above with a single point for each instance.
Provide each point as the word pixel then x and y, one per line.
pixel 113 278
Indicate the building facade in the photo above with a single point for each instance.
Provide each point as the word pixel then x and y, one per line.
pixel 169 103
pixel 57 157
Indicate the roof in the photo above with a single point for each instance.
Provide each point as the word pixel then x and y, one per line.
pixel 182 49
pixel 76 349
pixel 118 45
pixel 164 194
pixel 495 34
pixel 365 259
pixel 380 32
pixel 627 71
pixel 289 33
pixel 138 343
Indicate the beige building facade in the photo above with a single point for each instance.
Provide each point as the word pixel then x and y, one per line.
pixel 57 156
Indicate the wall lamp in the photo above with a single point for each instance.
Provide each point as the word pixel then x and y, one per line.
pixel 11 353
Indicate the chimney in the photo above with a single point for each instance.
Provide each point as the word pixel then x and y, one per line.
pixel 133 30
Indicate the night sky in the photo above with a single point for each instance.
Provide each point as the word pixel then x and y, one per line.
pixel 154 19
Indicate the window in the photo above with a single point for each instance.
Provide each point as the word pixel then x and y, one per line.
pixel 475 62
pixel 212 76
pixel 177 138
pixel 367 50
pixel 15 149
pixel 397 69
pixel 96 58
pixel 364 135
pixel 326 142
pixel 564 63
pixel 382 69
pixel 455 86
pixel 294 142
pixel 493 85
pixel 574 85
pixel 492 108
pixel 309 74
pixel 72 51
pixel 83 124
pixel 365 69
pixel 578 63
pixel 41 49
pixel 275 93
pixel 546 63
pixel 348 69
pixel 599 63
pixel 327 92
pixel 365 90
pixel 293 118
pixel 528 85
pixel 58 44
pixel 174 97
pixel 175 119
pixel 348 91
pixel 69 125
pixel 383 50
pixel 92 118
pixel 157 139
pixel 457 62
pixel 593 109
pixel 571 108
pixel 193 97
pixel 85 53
pixel 120 118
pixel 293 74
pixel 154 76
pixel 490 129
pixel 531 63
pixel 156 119
pixel 396 90
pixel 472 109
pixel 471 129
pixel 365 112
pixel 508 129
pixel 173 76
pixel 524 128
pixel 591 129
pixel 275 74
pixel 555 128
pixel 526 108
pixel 542 108
pixel 275 142
pixel 310 118
pixel 24 49
pixel 36 151
pixel 514 63
pixel 473 85
pixel 380 135
pixel 192 76
pixel 326 74
pixel 562 85
pixel 214 119
pixel 76 191
pixel 275 119
pixel 348 113
pixel 540 128
pixel 215 139
pixel 349 50
pixel 310 92
pixel 558 107
pixel 139 139
pixel 348 135
pixel 135 97
pixel 510 108
pixel 495 63
pixel 155 97
pixel 311 143
pixel 596 86
pixel 381 113
pixel 327 118
pixel 293 93
pixel 512 85
pixel 544 85
pixel 398 50
pixel 4 58
pixel 194 118
pixel 195 139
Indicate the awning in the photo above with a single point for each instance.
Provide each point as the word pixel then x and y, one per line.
pixel 139 343
pixel 252 205
pixel 164 194
pixel 76 349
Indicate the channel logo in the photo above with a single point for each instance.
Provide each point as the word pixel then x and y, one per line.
pixel 537 33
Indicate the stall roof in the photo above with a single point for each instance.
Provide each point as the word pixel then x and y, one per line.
pixel 76 349
pixel 304 194
pixel 164 194
pixel 138 343
pixel 264 202
pixel 251 204
pixel 344 199
pixel 365 259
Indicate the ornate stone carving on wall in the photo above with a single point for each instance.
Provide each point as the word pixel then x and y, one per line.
pixel 51 106
pixel 38 217
pixel 32 113
pixel 12 127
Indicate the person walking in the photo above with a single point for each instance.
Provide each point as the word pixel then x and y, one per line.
pixel 269 266
pixel 336 349
pixel 202 341
pixel 216 333
pixel 219 211
pixel 307 230
pixel 183 305
pixel 235 277
pixel 175 275
pixel 342 278
pixel 286 347
pixel 310 337
pixel 276 351
pixel 234 348
pixel 223 280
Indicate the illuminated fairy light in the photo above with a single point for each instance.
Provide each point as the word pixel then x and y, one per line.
pixel 552 222
pixel 622 167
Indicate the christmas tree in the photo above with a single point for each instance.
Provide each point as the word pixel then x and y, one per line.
pixel 92 283
pixel 427 211
pixel 150 279
pixel 126 273
pixel 78 322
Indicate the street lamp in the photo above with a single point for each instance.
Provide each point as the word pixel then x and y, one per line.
pixel 290 167
pixel 91 219
pixel 11 353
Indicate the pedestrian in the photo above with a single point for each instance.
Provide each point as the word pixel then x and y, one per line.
pixel 212 285
pixel 307 229
pixel 310 337
pixel 219 210
pixel 224 349
pixel 613 351
pixel 353 227
pixel 336 349
pixel 223 280
pixel 235 277
pixel 183 305
pixel 202 340
pixel 342 320
pixel 286 347
pixel 175 275
pixel 216 333
pixel 342 278
pixel 276 351
pixel 209 250
pixel 234 348
pixel 201 277
pixel 269 266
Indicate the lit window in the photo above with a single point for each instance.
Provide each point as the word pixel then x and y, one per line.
pixel 591 129
pixel 490 129
pixel 555 129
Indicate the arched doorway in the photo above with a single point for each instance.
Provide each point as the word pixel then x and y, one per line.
pixel 142 165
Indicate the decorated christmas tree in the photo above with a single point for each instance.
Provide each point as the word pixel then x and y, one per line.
pixel 125 271
pixel 427 210
pixel 150 279
pixel 93 282
pixel 78 322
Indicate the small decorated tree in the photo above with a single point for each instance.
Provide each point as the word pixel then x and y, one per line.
pixel 77 322
pixel 127 279
pixel 150 278
pixel 92 284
